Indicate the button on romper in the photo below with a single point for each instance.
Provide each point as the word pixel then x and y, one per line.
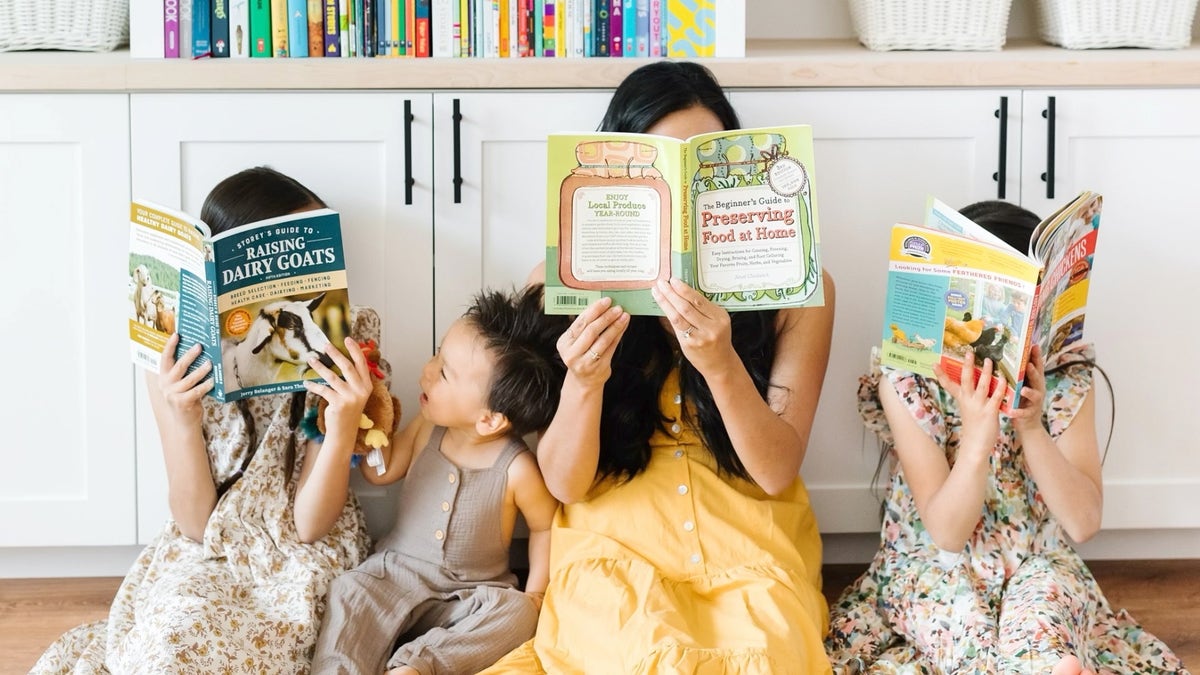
pixel 439 583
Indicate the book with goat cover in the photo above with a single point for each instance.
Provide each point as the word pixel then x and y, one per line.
pixel 731 213
pixel 954 288
pixel 261 299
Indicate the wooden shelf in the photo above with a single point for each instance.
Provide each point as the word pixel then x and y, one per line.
pixel 768 64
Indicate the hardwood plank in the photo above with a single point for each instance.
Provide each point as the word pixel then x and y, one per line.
pixel 1164 595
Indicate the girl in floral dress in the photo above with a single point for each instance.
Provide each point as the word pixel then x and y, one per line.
pixel 262 518
pixel 975 572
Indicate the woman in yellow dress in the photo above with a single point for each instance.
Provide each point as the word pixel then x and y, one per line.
pixel 686 542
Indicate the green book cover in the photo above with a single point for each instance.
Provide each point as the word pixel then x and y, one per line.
pixel 260 28
pixel 731 213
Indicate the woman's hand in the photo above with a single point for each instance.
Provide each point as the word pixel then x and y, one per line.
pixel 980 412
pixel 1028 417
pixel 346 395
pixel 588 346
pixel 701 326
pixel 177 391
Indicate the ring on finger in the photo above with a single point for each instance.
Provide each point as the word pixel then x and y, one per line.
pixel 594 354
pixel 687 334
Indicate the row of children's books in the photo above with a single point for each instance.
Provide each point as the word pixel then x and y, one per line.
pixel 452 28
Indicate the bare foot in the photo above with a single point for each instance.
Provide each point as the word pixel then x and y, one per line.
pixel 1068 666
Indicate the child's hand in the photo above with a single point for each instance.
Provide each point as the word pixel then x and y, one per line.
pixel 588 346
pixel 346 395
pixel 702 327
pixel 1028 417
pixel 980 413
pixel 179 390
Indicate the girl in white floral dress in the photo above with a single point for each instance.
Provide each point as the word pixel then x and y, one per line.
pixel 262 518
pixel 975 573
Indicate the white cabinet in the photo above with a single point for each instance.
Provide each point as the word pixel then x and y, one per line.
pixel 357 152
pixel 490 186
pixel 68 450
pixel 1138 149
pixel 878 154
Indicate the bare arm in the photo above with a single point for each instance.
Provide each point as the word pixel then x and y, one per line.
pixel 949 500
pixel 569 450
pixel 770 437
pixel 538 506
pixel 175 399
pixel 1067 473
pixel 324 482
pixel 399 453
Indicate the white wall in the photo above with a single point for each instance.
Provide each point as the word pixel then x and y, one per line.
pixel 823 19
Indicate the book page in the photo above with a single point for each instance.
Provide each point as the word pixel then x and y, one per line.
pixel 281 297
pixel 162 243
pixel 754 217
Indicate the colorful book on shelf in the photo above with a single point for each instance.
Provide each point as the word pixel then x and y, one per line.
pixel 239 29
pixel 201 27
pixel 331 32
pixel 262 299
pixel 279 28
pixel 260 28
pixel 955 289
pixel 731 213
pixel 297 26
pixel 315 27
pixel 219 39
pixel 185 29
pixel 171 29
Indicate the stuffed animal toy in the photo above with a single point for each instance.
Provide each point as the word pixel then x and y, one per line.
pixel 380 417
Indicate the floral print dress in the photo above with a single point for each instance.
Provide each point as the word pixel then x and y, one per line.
pixel 249 597
pixel 1017 599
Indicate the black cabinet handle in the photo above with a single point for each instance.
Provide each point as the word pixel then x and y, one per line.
pixel 1001 175
pixel 409 181
pixel 458 181
pixel 1048 176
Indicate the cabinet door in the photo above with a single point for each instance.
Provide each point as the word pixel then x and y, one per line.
pixel 878 155
pixel 350 149
pixel 1139 152
pixel 490 216
pixel 68 477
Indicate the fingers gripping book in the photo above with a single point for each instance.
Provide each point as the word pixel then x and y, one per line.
pixel 261 299
pixel 731 213
pixel 955 289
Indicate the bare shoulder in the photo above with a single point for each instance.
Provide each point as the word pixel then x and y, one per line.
pixel 524 471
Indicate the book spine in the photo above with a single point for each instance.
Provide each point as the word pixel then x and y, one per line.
pixel 690 28
pixel 629 27
pixel 561 9
pixel 315 27
pixel 358 28
pixel 343 28
pixel 398 18
pixel 201 22
pixel 171 29
pixel 460 28
pixel 239 29
pixel 578 28
pixel 369 38
pixel 331 34
pixel 616 28
pixel 548 21
pixel 514 27
pixel 421 37
pixel 297 25
pixel 279 28
pixel 537 37
pixel 219 38
pixel 185 29
pixel 410 27
pixel 600 26
pixel 656 26
pixel 260 28
pixel 642 45
pixel 502 28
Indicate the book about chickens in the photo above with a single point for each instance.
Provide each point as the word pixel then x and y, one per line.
pixel 955 289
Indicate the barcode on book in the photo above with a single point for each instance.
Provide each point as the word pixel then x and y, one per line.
pixel 572 300
pixel 142 356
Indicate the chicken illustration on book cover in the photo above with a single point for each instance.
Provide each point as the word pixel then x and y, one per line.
pixel 262 299
pixel 731 213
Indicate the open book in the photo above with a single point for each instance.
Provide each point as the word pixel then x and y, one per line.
pixel 953 287
pixel 731 213
pixel 261 299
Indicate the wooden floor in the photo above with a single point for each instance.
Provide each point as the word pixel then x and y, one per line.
pixel 1164 595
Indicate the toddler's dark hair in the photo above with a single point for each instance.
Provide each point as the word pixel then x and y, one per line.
pixel 254 194
pixel 528 374
pixel 1010 222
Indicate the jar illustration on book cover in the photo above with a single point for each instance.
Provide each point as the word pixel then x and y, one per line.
pixel 614 218
pixel 754 212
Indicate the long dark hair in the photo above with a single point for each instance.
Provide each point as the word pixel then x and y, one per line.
pixel 246 197
pixel 646 354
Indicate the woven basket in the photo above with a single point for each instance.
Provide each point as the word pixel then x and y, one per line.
pixel 76 25
pixel 1094 24
pixel 956 25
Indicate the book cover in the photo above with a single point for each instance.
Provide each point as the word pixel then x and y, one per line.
pixel 297 28
pixel 954 288
pixel 171 29
pixel 219 37
pixel 261 299
pixel 690 28
pixel 260 28
pixel 201 22
pixel 239 29
pixel 731 213
pixel 279 28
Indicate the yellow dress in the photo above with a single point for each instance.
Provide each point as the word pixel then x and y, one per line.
pixel 681 570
